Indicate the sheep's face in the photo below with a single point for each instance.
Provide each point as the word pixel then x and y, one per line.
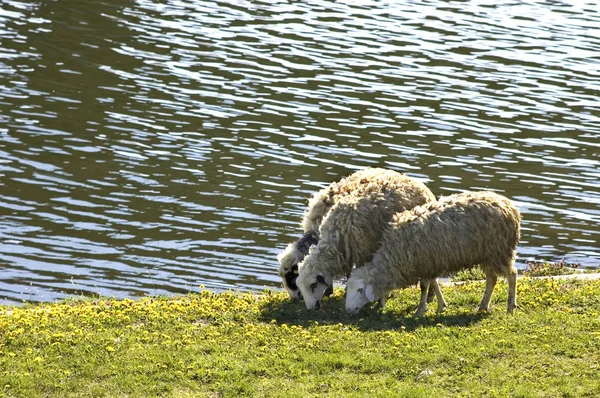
pixel 358 294
pixel 289 283
pixel 289 259
pixel 288 270
pixel 313 288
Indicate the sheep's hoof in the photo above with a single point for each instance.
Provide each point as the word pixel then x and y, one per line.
pixel 420 311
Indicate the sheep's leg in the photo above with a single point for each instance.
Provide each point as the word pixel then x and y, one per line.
pixel 512 290
pixel 431 292
pixel 441 302
pixel 490 282
pixel 424 284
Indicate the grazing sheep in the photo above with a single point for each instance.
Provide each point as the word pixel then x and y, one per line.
pixel 370 183
pixel 456 232
pixel 289 259
pixel 350 233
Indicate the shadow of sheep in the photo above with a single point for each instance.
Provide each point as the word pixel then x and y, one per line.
pixel 370 319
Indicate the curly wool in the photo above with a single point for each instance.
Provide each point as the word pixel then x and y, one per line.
pixel 363 183
pixel 371 184
pixel 360 184
pixel 351 230
pixel 454 233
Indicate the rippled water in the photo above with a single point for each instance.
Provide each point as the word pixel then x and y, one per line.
pixel 149 147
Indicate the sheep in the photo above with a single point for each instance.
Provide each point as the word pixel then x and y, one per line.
pixel 367 183
pixel 456 232
pixel 349 234
pixel 289 259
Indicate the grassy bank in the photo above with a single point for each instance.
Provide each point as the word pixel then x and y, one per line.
pixel 236 344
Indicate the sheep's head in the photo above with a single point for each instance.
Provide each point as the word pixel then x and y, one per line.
pixel 313 288
pixel 289 282
pixel 358 293
pixel 289 259
pixel 288 270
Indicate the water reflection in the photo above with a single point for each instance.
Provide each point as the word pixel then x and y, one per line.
pixel 149 148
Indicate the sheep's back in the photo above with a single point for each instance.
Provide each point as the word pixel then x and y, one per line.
pixel 357 223
pixel 456 232
pixel 373 184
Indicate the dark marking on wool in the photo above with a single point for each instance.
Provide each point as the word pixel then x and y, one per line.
pixel 291 276
pixel 303 245
pixel 307 240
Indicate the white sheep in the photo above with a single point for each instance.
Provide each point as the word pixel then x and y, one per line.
pixel 456 232
pixel 372 184
pixel 350 233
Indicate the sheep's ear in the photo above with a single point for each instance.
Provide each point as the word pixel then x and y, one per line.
pixel 369 293
pixel 321 279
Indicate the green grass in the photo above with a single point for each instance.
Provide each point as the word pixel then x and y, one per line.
pixel 233 344
pixel 471 274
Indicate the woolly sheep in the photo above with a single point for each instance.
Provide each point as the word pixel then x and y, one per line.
pixel 289 259
pixel 455 233
pixel 350 233
pixel 371 183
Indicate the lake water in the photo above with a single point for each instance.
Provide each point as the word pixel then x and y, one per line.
pixel 150 147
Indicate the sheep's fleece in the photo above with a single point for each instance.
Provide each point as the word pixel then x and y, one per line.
pixel 376 184
pixel 351 230
pixel 439 238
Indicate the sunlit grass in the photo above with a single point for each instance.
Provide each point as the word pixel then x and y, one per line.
pixel 471 274
pixel 235 344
